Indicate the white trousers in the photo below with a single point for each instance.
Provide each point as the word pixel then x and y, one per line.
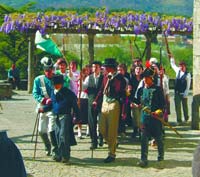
pixel 46 122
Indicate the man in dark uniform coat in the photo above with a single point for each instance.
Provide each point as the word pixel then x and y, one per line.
pixel 150 97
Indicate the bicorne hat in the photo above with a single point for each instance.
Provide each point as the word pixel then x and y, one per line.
pixel 148 72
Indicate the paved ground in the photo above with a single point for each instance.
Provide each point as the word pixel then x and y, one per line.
pixel 18 118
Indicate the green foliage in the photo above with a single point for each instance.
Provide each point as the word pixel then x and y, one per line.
pixel 122 52
pixel 14 46
pixel 114 52
pixel 13 49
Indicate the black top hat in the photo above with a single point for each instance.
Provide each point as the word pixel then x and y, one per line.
pixel 148 72
pixel 110 62
pixel 57 79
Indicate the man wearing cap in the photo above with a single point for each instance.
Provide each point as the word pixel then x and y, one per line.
pixel 42 89
pixel 182 86
pixel 113 92
pixel 93 84
pixel 151 98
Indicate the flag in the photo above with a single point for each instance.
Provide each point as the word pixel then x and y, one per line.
pixel 46 45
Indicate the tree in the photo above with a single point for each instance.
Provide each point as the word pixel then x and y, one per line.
pixel 13 47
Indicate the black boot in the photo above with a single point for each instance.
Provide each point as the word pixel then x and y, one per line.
pixel 55 152
pixel 45 139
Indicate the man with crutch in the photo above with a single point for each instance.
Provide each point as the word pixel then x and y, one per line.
pixel 42 89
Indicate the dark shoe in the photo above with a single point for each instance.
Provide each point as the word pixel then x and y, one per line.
pixel 65 160
pixel 109 159
pixel 56 158
pixel 93 146
pixel 142 163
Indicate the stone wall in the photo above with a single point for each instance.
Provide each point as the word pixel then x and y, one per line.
pixel 196 66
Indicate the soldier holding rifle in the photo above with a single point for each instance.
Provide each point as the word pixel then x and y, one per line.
pixel 150 96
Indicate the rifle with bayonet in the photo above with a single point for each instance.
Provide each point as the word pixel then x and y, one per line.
pixel 156 116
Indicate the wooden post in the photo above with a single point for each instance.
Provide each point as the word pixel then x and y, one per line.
pixel 91 47
pixel 196 66
pixel 30 62
pixel 148 46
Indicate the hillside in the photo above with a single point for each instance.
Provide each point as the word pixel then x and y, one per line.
pixel 174 7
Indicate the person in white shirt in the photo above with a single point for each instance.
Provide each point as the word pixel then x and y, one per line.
pixel 74 75
pixel 182 86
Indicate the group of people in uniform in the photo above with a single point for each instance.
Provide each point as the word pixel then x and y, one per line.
pixel 113 94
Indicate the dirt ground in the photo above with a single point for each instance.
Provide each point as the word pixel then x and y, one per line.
pixel 18 118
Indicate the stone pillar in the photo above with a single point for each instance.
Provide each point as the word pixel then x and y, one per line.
pixel 196 66
pixel 30 62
